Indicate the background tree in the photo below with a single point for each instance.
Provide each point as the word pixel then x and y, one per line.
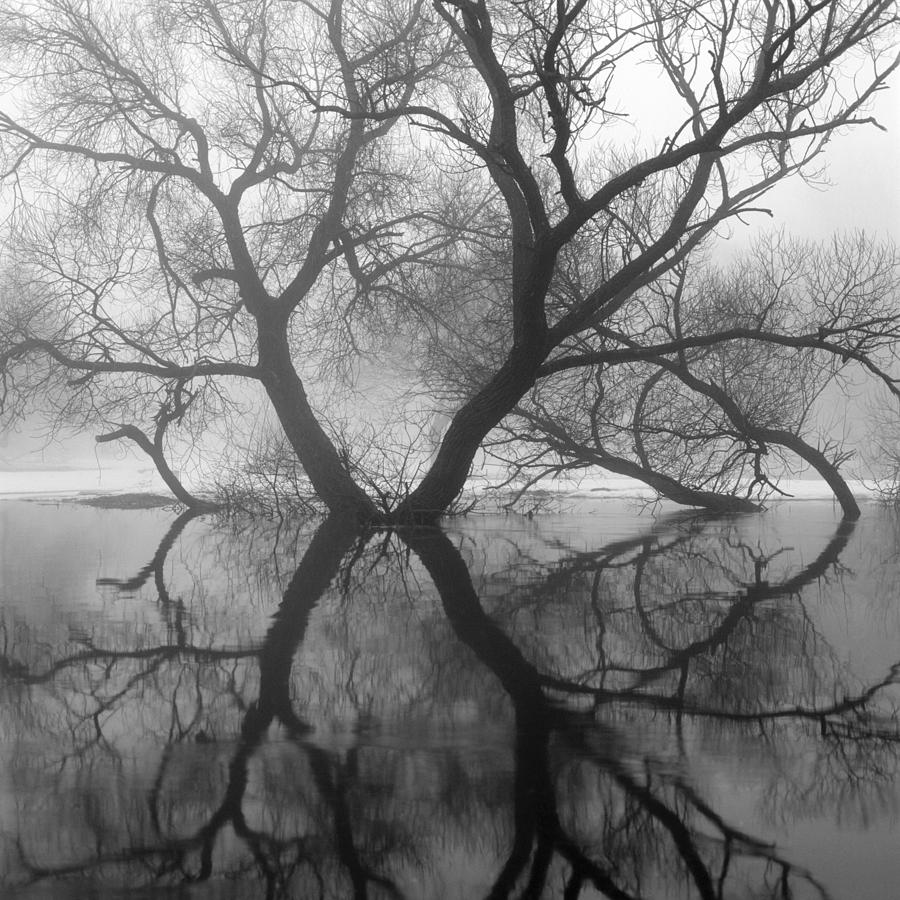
pixel 225 192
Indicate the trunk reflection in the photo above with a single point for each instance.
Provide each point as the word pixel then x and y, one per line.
pixel 430 714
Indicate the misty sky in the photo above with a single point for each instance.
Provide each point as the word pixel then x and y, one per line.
pixel 862 166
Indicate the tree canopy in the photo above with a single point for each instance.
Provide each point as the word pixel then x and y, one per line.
pixel 201 194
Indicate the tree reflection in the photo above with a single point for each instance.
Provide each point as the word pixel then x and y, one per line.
pixel 658 808
pixel 398 715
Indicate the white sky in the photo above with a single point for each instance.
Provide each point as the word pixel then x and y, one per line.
pixel 863 167
pixel 862 164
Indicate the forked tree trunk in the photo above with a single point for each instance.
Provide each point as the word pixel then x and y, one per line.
pixel 331 479
pixel 329 473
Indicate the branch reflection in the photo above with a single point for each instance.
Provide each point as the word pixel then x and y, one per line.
pixel 407 708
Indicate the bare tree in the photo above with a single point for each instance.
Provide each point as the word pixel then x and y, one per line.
pixel 223 192
pixel 735 394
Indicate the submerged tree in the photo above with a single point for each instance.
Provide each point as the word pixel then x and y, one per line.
pixel 221 192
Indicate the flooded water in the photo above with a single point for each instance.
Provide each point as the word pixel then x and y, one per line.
pixel 602 704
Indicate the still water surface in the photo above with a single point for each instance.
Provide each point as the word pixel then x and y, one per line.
pixel 602 704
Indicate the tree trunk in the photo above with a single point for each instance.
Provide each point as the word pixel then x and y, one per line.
pixel 820 462
pixel 447 476
pixel 327 471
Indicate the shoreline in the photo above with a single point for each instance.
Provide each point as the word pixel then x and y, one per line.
pixel 588 492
